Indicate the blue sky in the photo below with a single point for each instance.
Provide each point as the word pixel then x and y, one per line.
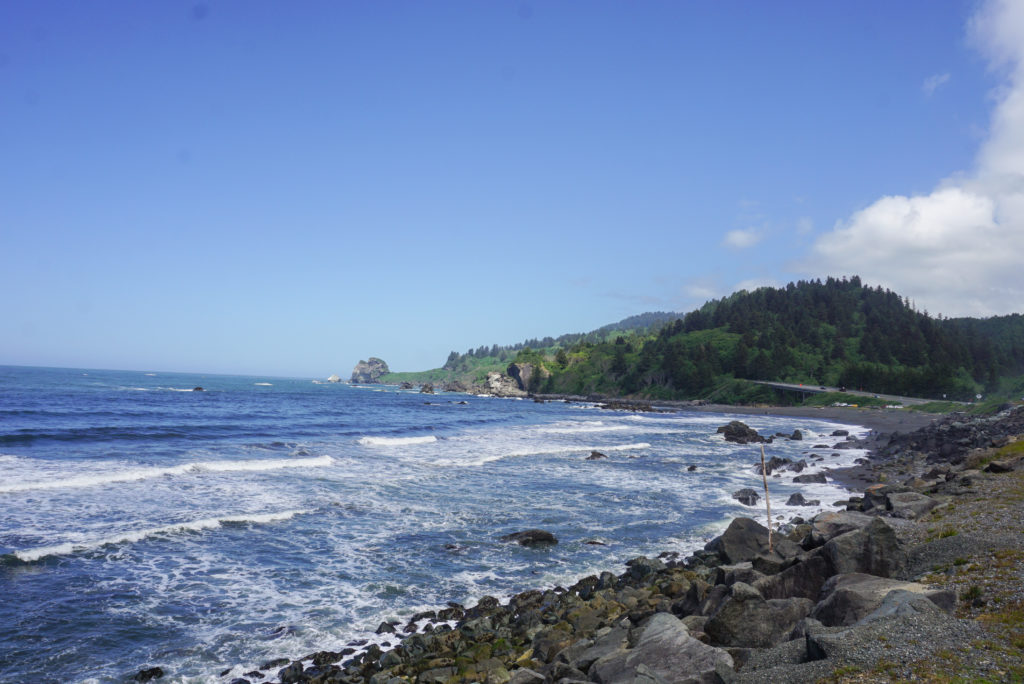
pixel 281 188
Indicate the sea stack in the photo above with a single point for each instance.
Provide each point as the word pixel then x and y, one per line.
pixel 369 372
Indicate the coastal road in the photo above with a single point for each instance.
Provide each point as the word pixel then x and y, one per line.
pixel 819 389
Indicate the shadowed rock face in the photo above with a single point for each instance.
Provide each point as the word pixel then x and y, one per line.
pixel 369 372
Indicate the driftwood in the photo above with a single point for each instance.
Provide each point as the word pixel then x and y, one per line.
pixel 767 504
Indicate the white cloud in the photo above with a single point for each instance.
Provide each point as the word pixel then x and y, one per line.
pixel 742 239
pixel 934 82
pixel 959 249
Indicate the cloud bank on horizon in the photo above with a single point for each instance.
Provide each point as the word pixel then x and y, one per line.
pixel 957 250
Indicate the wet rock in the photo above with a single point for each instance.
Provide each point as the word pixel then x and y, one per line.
pixel 816 478
pixel 426 388
pixel 747 496
pixel 797 435
pixel 840 433
pixel 595 455
pixel 291 674
pixel 531 538
pixel 797 499
pixel 148 674
pixel 739 432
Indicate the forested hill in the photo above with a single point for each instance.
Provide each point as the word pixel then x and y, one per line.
pixel 836 332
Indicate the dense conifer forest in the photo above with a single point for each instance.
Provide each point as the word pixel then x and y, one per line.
pixel 833 332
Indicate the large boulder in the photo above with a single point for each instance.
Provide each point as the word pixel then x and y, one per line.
pixel 857 598
pixel 663 651
pixel 909 505
pixel 748 620
pixel 873 549
pixel 368 372
pixel 739 432
pixel 829 525
pixel 745 540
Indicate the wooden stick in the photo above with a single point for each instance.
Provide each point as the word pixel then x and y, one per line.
pixel 767 504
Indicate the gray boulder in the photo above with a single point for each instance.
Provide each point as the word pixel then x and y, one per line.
pixel 873 549
pixel 856 598
pixel 663 651
pixel 828 525
pixel 909 505
pixel 747 619
pixel 816 478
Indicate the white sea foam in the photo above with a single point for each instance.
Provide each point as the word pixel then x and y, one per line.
pixel 597 426
pixel 396 441
pixel 479 460
pixel 130 537
pixel 264 384
pixel 136 474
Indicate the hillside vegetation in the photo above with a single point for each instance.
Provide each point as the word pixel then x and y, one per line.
pixel 837 332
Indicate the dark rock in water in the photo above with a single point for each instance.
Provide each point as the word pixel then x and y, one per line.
pixel 594 542
pixel 797 499
pixel 531 538
pixel 817 478
pixel 385 628
pixel 198 389
pixel 594 455
pixel 840 433
pixel 241 680
pixel 772 464
pixel 747 496
pixel 797 435
pixel 369 372
pixel 691 468
pixel 739 432
pixel 426 388
pixel 820 446
pixel 151 673
pixel 278 662
pixel 291 674
pixel 405 385
pixel 454 386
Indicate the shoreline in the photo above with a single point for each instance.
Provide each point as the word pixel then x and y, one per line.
pixel 883 424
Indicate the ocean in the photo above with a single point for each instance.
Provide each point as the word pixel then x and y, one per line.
pixel 146 524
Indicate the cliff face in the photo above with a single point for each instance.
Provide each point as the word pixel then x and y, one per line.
pixel 369 372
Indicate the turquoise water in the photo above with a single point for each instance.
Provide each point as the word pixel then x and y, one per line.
pixel 142 523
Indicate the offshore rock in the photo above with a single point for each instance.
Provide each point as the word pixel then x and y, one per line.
pixel 739 432
pixel 527 376
pixel 501 385
pixel 369 372
pixel 531 538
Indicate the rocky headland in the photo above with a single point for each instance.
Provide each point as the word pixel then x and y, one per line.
pixel 920 575
pixel 369 372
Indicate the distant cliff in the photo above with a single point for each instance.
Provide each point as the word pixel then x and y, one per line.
pixel 369 372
